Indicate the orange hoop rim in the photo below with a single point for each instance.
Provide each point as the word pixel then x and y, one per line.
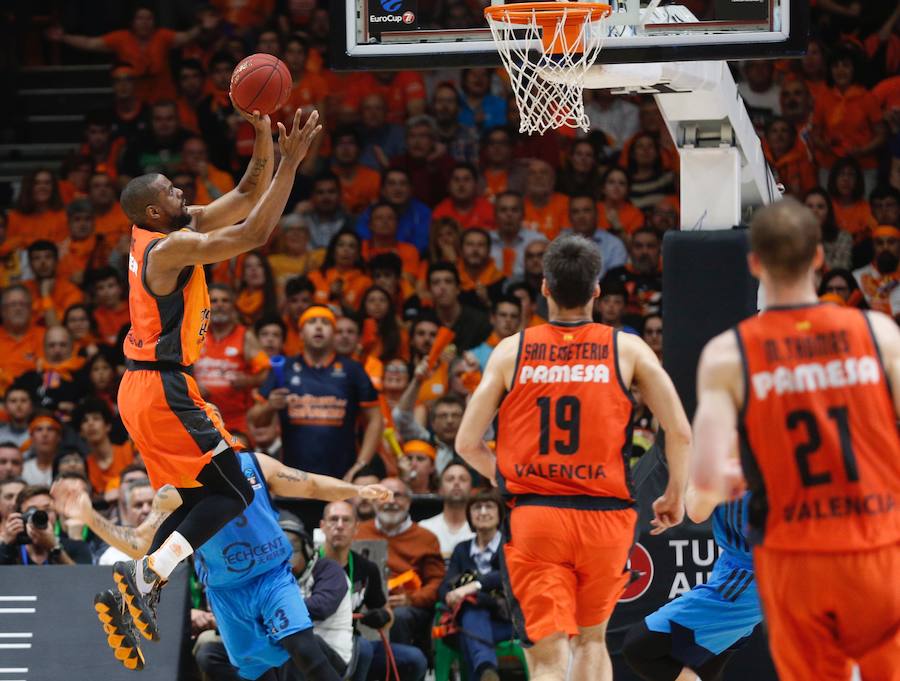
pixel 547 13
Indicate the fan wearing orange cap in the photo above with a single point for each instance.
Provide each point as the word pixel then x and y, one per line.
pixel 319 396
pixel 878 279
pixel 417 465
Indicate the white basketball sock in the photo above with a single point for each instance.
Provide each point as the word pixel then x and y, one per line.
pixel 167 557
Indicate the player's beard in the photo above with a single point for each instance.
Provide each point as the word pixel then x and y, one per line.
pixel 181 220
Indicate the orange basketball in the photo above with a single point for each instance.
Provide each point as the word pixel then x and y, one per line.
pixel 262 83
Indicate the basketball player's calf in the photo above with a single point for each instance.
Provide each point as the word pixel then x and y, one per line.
pixel 224 494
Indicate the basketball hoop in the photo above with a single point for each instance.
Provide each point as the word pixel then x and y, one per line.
pixel 548 81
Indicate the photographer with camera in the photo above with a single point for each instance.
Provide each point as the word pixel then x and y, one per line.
pixel 32 535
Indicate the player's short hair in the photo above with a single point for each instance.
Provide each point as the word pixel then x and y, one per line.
pixel 141 192
pixel 784 236
pixel 572 266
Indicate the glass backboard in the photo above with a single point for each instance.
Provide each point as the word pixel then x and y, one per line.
pixel 421 34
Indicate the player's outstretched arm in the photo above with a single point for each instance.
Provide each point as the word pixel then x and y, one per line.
pixel 483 405
pixel 887 334
pixel 184 248
pixel 715 471
pixel 285 481
pixel 236 205
pixel 71 500
pixel 659 393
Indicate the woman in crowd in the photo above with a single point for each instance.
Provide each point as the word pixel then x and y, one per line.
pixel 650 182
pixel 382 335
pixel 580 174
pixel 842 283
pixel 82 326
pixel 652 333
pixel 342 278
pixel 616 213
pixel 103 383
pixel 39 212
pixel 846 188
pixel 837 243
pixel 256 293
pixel 473 585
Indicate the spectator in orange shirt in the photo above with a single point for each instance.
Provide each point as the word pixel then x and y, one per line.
pixel 256 290
pixel 814 69
pixel 50 294
pixel 231 362
pixel 105 460
pixel 55 381
pixel 546 211
pixel 382 336
pixel 82 249
pixel 616 213
pixel 649 181
pixel 342 278
pixel 110 303
pixel 848 119
pixel 789 158
pixel 191 91
pixel 109 218
pixel 74 173
pixel 461 141
pixel 245 15
pixel 480 280
pixel 427 165
pixel 309 89
pixel 463 203
pixel 82 327
pixel 846 188
pixel 39 212
pixel 383 225
pixel 144 46
pixel 497 163
pixel 403 92
pixel 359 184
pixel 21 341
pixel 99 144
pixel 211 182
pixel 797 109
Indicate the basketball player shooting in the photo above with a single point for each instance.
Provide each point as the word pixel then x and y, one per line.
pixel 182 440
pixel 563 439
pixel 807 386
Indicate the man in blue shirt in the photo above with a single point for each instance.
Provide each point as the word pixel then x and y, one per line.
pixel 319 396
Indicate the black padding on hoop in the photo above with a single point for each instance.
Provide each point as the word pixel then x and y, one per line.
pixel 707 288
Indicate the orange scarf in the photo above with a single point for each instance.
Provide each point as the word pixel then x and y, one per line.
pixel 56 373
pixel 489 275
pixel 249 303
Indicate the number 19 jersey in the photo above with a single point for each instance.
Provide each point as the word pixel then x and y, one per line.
pixel 564 428
pixel 819 438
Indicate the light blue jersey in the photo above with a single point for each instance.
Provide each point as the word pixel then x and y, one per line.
pixel 713 617
pixel 249 545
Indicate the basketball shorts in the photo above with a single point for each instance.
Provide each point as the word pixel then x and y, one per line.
pixel 565 568
pixel 252 618
pixel 712 617
pixel 826 610
pixel 173 428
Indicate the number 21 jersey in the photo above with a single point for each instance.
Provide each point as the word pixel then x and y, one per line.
pixel 819 437
pixel 564 428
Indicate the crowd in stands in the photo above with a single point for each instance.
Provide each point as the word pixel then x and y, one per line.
pixel 420 211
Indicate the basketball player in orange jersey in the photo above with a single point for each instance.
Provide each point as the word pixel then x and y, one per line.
pixel 807 387
pixel 182 441
pixel 563 439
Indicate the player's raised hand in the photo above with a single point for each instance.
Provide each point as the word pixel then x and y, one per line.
pixel 296 143
pixel 262 124
pixel 70 499
pixel 668 511
pixel 375 493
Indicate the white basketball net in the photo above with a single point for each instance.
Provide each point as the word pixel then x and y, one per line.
pixel 548 87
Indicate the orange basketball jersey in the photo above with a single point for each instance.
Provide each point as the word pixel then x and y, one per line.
pixel 168 328
pixel 820 446
pixel 220 360
pixel 564 428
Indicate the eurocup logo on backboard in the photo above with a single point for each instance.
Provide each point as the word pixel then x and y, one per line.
pixel 391 15
pixel 391 5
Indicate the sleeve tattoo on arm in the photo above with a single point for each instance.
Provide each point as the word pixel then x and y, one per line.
pixel 293 475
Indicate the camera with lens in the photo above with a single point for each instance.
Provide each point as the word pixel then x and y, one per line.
pixel 36 517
